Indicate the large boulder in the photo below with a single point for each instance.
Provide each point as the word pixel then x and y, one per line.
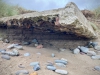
pixel 68 19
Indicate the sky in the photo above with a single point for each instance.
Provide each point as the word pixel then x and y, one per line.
pixel 41 5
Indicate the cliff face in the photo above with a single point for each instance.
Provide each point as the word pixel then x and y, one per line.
pixel 68 20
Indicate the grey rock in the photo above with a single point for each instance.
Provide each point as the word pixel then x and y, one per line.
pixel 97 48
pixel 19 47
pixel 91 53
pixel 26 43
pixel 27 54
pixel 5 57
pixel 62 72
pixel 36 67
pixel 94 44
pixel 34 63
pixel 16 52
pixel 61 61
pixel 96 57
pixel 76 51
pixel 2 50
pixel 1 39
pixel 6 41
pixel 84 49
pixel 11 46
pixel 22 72
pixel 35 41
pixel 64 59
pixel 60 64
pixel 53 55
pixel 97 68
pixel 51 68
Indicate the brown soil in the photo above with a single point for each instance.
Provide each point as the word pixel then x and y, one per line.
pixel 77 64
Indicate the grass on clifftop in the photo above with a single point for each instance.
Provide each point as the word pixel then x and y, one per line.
pixel 97 12
pixel 8 10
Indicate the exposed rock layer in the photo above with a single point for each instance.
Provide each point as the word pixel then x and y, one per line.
pixel 68 19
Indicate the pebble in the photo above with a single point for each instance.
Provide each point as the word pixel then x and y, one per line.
pixel 51 68
pixel 62 49
pixel 62 72
pixel 60 64
pixel 97 68
pixel 53 55
pixel 21 66
pixel 97 48
pixel 91 53
pixel 84 49
pixel 61 61
pixel 96 57
pixel 2 50
pixel 34 63
pixel 6 41
pixel 49 64
pixel 1 39
pixel 35 45
pixel 11 46
pixel 26 43
pixel 5 57
pixel 16 52
pixel 64 59
pixel 94 44
pixel 34 41
pixel 19 47
pixel 76 51
pixel 22 71
pixel 36 67
pixel 27 54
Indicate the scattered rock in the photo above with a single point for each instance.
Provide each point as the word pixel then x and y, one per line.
pixel 49 64
pixel 36 67
pixel 27 54
pixel 62 72
pixel 11 46
pixel 34 63
pixel 94 44
pixel 51 68
pixel 39 46
pixel 97 68
pixel 96 57
pixel 35 41
pixel 2 50
pixel 61 61
pixel 97 48
pixel 5 57
pixel 16 52
pixel 91 53
pixel 62 49
pixel 26 43
pixel 60 64
pixel 34 73
pixel 1 39
pixel 84 49
pixel 64 59
pixel 19 47
pixel 76 51
pixel 35 45
pixel 89 44
pixel 22 72
pixel 53 55
pixel 6 41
